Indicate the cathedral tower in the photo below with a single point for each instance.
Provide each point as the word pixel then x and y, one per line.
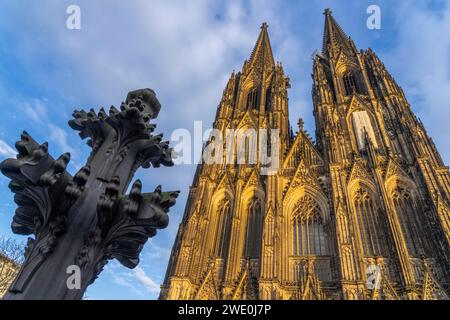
pixel 362 213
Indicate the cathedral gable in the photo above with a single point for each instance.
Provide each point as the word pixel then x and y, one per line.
pixel 208 288
pixel 246 287
pixel 303 176
pixel 344 62
pixel 247 121
pixel 310 285
pixel 225 183
pixel 253 180
pixel 301 145
pixel 326 216
pixel 394 169
pixel 359 172
pixel 312 289
pixel 431 289
pixel 386 291
pixel 357 103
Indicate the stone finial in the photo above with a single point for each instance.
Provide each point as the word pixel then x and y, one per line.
pixel 301 124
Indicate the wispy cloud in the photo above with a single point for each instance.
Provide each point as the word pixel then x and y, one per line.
pixel 136 280
pixel 421 62
pixel 6 151
pixel 155 251
pixel 122 278
pixel 59 136
pixel 144 279
pixel 186 51
pixel 35 110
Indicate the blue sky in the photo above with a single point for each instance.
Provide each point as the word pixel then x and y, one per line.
pixel 185 51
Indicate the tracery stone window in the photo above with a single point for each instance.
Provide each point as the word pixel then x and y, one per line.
pixel 252 99
pixel 407 218
pixel 253 235
pixel 370 224
pixel 223 228
pixel 349 83
pixel 308 229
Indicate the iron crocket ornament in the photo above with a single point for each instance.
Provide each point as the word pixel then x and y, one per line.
pixel 84 221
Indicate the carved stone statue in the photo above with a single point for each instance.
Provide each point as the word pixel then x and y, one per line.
pixel 81 222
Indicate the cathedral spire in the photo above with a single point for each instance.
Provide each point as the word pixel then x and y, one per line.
pixel 262 52
pixel 342 203
pixel 334 36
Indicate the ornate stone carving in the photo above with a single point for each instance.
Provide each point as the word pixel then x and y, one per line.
pixel 87 219
pixel 360 222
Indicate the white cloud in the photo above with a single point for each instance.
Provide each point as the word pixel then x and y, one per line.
pixel 151 286
pixel 185 51
pixel 155 251
pixel 420 61
pixel 121 278
pixel 59 136
pixel 35 110
pixel 136 280
pixel 6 151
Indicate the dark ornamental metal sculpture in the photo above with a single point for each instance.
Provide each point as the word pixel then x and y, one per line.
pixel 86 220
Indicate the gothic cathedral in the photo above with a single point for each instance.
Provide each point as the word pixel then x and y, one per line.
pixel 361 213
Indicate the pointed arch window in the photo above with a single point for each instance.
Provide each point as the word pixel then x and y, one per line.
pixel 350 83
pixel 371 227
pixel 252 98
pixel 223 228
pixel 407 218
pixel 308 229
pixel 268 104
pixel 253 236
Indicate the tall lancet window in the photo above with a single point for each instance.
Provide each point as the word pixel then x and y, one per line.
pixel 349 83
pixel 308 229
pixel 223 228
pixel 268 104
pixel 252 98
pixel 363 128
pixel 253 236
pixel 407 218
pixel 370 223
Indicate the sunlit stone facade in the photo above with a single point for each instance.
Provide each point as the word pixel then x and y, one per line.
pixel 361 213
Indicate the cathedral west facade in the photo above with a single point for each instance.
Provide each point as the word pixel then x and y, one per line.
pixel 361 213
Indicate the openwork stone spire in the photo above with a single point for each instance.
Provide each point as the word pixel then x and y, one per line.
pixel 261 59
pixel 346 217
pixel 334 36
